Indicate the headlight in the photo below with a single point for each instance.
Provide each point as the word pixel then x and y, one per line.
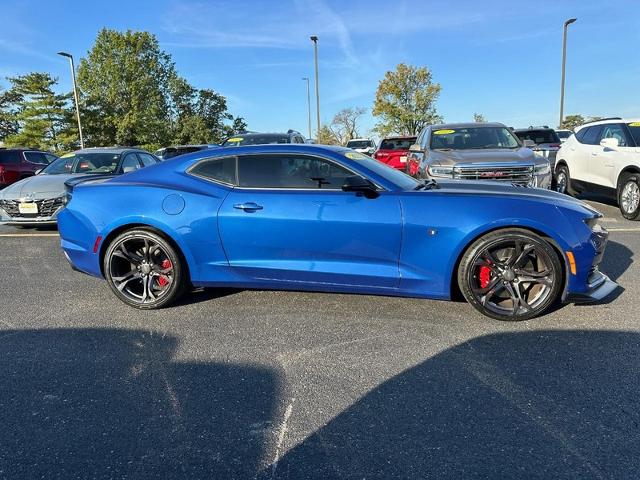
pixel 436 171
pixel 542 168
pixel 594 222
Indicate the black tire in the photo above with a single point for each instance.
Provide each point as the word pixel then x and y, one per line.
pixel 562 180
pixel 524 276
pixel 144 270
pixel 629 196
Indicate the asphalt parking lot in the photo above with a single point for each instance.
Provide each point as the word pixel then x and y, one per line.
pixel 253 384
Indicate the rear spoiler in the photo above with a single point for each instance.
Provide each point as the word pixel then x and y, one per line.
pixel 72 182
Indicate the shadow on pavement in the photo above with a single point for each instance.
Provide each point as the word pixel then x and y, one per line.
pixel 617 259
pixel 548 404
pixel 85 403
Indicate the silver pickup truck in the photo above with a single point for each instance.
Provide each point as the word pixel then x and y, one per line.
pixel 476 151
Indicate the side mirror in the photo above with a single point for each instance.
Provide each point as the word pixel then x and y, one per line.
pixel 529 143
pixel 609 143
pixel 415 148
pixel 37 172
pixel 360 185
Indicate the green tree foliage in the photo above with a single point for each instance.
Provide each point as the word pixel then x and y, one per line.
pixel 8 122
pixel 572 121
pixel 405 101
pixel 38 117
pixel 479 118
pixel 239 125
pixel 326 136
pixel 344 125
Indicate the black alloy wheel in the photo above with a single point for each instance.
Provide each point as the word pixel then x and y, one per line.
pixel 144 270
pixel 511 275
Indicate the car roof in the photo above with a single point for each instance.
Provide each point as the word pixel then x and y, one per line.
pixel 444 126
pixel 23 149
pixel 109 150
pixel 399 137
pixel 605 121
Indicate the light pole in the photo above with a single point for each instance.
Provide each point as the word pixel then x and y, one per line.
pixel 314 39
pixel 564 61
pixel 75 93
pixel 308 104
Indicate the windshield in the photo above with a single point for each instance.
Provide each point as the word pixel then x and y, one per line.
pixel 472 138
pixel 84 163
pixel 358 143
pixel 539 136
pixel 634 128
pixel 255 140
pixel 397 143
pixel 398 178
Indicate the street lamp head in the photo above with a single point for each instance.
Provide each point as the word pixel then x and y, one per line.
pixel 305 78
pixel 65 54
pixel 314 38
pixel 569 22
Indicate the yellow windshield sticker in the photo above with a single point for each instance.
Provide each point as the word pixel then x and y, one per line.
pixel 634 124
pixel 234 140
pixel 443 132
pixel 355 156
pixel 68 155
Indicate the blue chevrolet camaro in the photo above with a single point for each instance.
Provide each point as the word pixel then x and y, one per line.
pixel 303 217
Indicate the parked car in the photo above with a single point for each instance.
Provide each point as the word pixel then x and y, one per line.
pixel 563 134
pixel 476 151
pixel 603 157
pixel 38 199
pixel 362 145
pixel 393 151
pixel 321 218
pixel 19 163
pixel 169 152
pixel 292 136
pixel 545 141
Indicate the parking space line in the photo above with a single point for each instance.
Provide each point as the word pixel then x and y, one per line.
pixel 29 235
pixel 630 229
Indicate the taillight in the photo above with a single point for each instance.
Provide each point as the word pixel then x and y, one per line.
pixel 96 245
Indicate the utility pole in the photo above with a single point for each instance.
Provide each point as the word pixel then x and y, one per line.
pixel 75 94
pixel 314 39
pixel 308 104
pixel 564 62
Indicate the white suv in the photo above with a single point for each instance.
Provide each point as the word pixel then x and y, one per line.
pixel 603 157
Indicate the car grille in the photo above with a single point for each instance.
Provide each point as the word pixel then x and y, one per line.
pixel 46 208
pixel 519 175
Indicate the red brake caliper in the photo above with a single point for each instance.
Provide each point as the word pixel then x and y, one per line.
pixel 484 275
pixel 162 279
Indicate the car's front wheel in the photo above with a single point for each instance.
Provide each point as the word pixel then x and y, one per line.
pixel 629 196
pixel 511 275
pixel 144 270
pixel 561 182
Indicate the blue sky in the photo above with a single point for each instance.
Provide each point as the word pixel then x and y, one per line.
pixel 499 58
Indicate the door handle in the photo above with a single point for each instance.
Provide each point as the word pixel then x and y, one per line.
pixel 248 207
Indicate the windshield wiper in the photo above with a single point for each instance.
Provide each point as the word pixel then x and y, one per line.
pixel 427 185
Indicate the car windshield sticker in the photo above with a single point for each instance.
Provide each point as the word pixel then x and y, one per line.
pixel 443 132
pixel 634 124
pixel 234 140
pixel 68 155
pixel 355 156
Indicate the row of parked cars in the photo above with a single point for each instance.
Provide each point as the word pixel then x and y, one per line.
pixel 601 157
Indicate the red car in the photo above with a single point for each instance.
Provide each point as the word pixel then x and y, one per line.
pixel 393 151
pixel 19 163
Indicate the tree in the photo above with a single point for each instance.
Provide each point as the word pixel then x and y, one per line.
pixel 8 122
pixel 212 107
pixel 40 117
pixel 405 101
pixel 570 122
pixel 344 125
pixel 325 136
pixel 479 118
pixel 239 125
pixel 126 85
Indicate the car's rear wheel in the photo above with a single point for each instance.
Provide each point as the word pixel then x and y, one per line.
pixel 510 275
pixel 144 270
pixel 562 180
pixel 629 196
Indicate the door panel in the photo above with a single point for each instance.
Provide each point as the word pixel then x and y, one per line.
pixel 312 236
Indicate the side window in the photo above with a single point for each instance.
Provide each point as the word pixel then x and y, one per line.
pixel 592 135
pixel 10 156
pixel 424 139
pixel 146 159
pixel 580 134
pixel 290 171
pixel 36 157
pixel 218 169
pixel 615 130
pixel 130 163
pixel 50 158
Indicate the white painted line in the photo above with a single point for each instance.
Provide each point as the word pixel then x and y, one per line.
pixel 281 434
pixel 29 235
pixel 631 229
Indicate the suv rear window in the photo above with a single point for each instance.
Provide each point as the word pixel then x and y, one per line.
pixel 539 136
pixel 36 157
pixel 397 143
pixel 634 128
pixel 10 156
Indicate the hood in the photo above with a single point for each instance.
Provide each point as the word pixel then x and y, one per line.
pixel 37 187
pixel 498 155
pixel 493 188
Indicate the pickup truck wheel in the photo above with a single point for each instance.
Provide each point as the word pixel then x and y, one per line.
pixel 511 275
pixel 629 196
pixel 562 180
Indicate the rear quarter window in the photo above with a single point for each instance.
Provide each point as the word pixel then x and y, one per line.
pixel 10 156
pixel 217 169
